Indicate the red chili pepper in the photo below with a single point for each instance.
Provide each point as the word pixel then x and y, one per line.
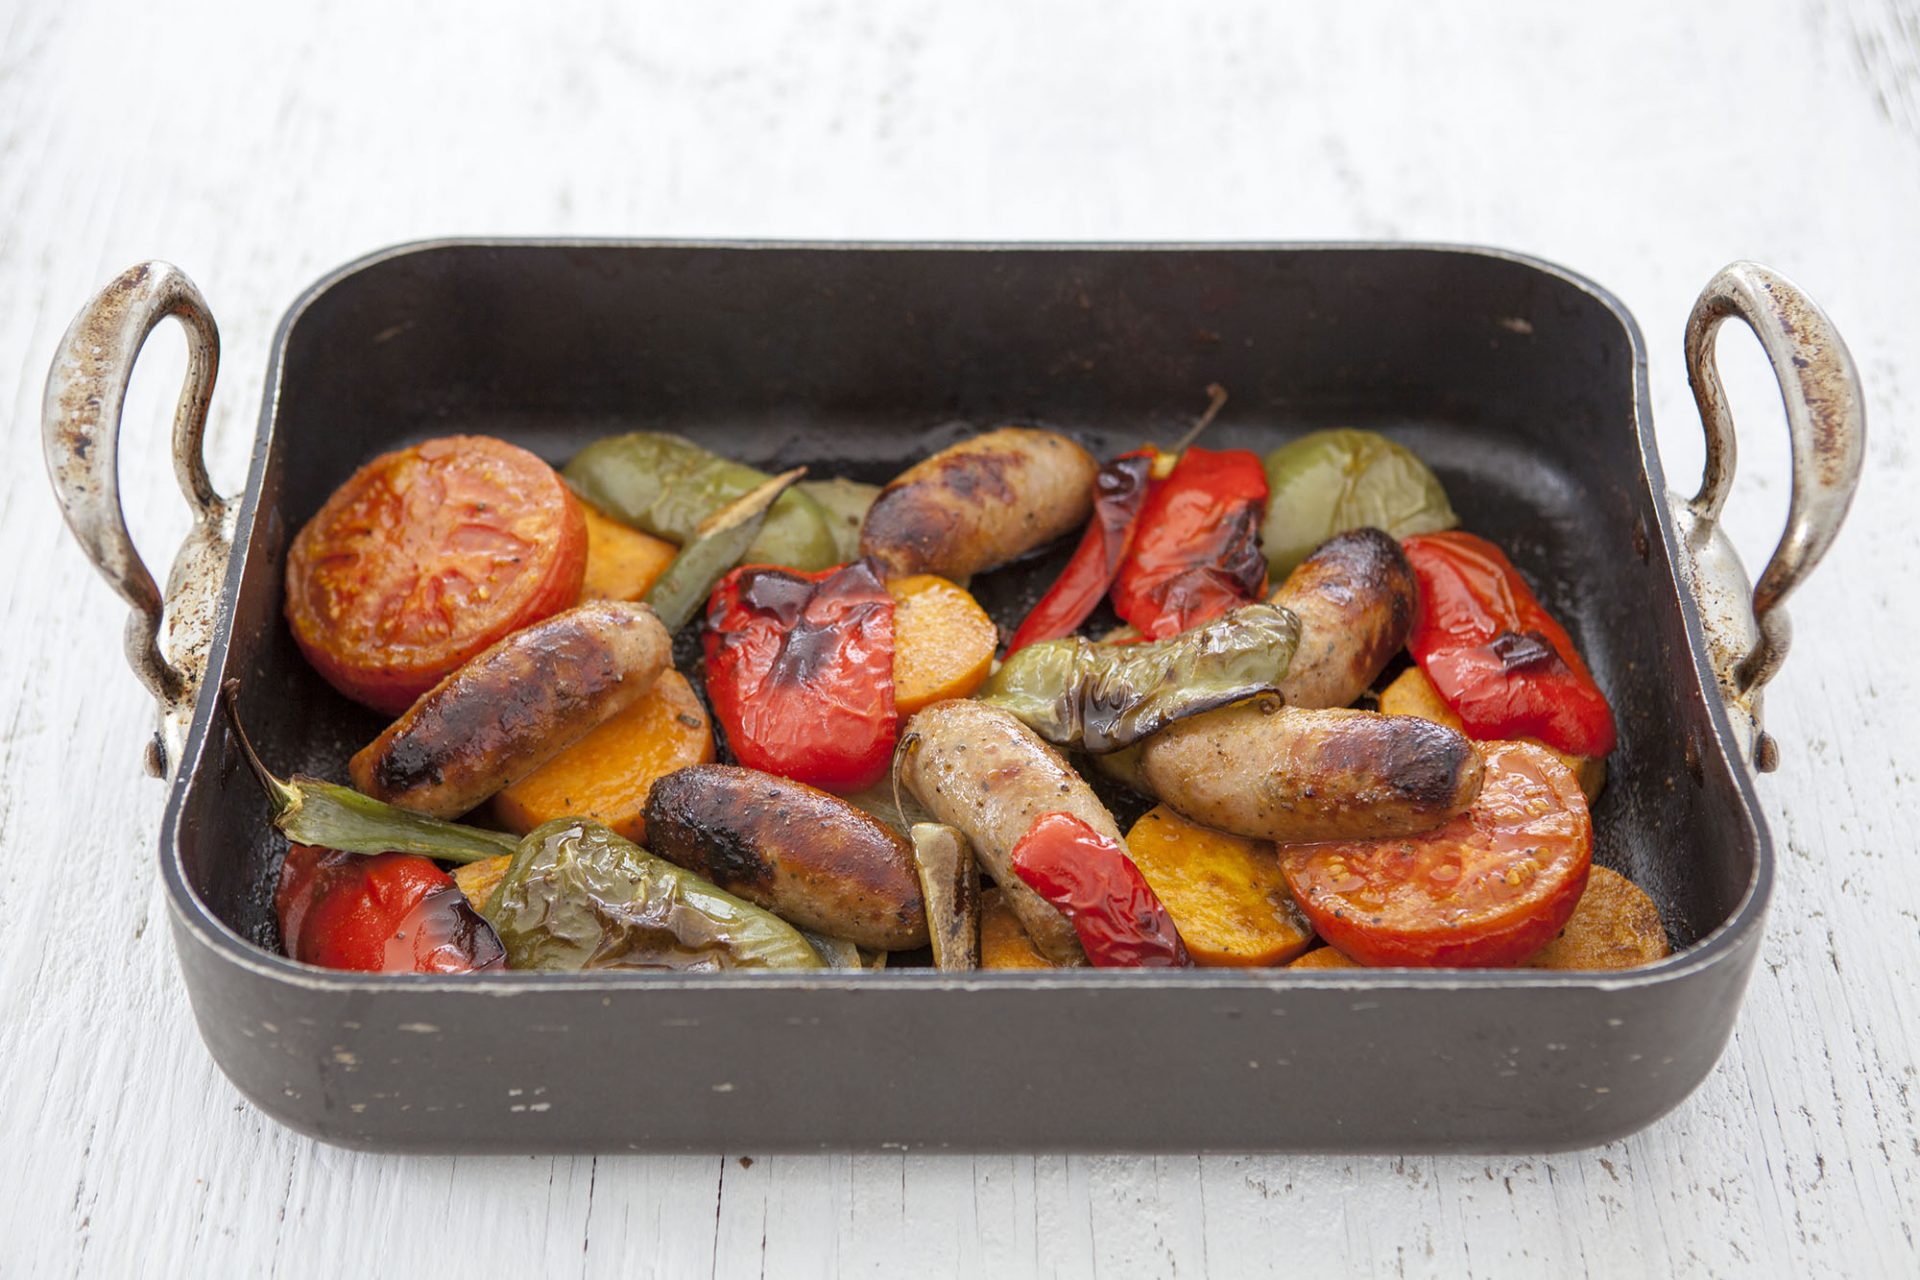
pixel 800 672
pixel 1121 922
pixel 1497 657
pixel 1119 493
pixel 384 913
pixel 1197 553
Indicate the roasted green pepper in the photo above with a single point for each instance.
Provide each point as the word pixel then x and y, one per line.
pixel 667 485
pixel 577 896
pixel 1331 481
pixel 1075 692
pixel 846 502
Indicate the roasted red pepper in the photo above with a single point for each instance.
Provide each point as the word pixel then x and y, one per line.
pixel 1197 551
pixel 1119 494
pixel 1497 657
pixel 382 913
pixel 800 672
pixel 1121 922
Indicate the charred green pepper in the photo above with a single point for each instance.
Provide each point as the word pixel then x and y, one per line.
pixel 846 502
pixel 577 896
pixel 667 486
pixel 1331 481
pixel 1075 692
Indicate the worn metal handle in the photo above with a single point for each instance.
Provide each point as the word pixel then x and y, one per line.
pixel 166 636
pixel 1826 418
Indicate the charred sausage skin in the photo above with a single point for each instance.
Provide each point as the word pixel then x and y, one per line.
pixel 1272 772
pixel 980 503
pixel 513 707
pixel 801 852
pixel 982 772
pixel 1356 598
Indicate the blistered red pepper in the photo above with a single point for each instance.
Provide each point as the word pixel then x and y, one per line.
pixel 380 913
pixel 1196 553
pixel 1498 658
pixel 1121 921
pixel 1119 495
pixel 800 672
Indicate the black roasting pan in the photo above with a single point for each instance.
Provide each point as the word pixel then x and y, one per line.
pixel 1523 384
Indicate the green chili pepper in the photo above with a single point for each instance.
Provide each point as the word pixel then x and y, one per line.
pixel 1331 481
pixel 330 816
pixel 577 896
pixel 717 546
pixel 667 486
pixel 845 502
pixel 1075 692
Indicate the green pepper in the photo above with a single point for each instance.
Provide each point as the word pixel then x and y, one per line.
pixel 577 896
pixel 846 502
pixel 1331 481
pixel 667 485
pixel 682 591
pixel 1075 692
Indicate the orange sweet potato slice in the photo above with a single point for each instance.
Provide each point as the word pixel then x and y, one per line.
pixel 1003 943
pixel 607 774
pixel 1616 926
pixel 478 880
pixel 1325 958
pixel 1225 892
pixel 622 562
pixel 943 642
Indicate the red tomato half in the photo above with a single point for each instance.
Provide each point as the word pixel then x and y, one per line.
pixel 1489 888
pixel 384 913
pixel 425 557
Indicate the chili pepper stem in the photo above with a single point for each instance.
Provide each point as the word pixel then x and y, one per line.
pixel 284 798
pixel 1216 400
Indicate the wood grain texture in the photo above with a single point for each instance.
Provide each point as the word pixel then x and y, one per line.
pixel 1643 143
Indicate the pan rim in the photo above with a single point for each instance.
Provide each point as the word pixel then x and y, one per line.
pixel 1722 944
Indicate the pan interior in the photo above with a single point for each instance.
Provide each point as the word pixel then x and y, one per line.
pixel 1516 384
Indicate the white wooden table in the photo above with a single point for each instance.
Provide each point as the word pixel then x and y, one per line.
pixel 1645 144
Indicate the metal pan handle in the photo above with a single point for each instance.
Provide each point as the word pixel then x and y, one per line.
pixel 1826 418
pixel 167 636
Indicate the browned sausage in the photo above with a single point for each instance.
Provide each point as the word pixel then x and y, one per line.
pixel 800 852
pixel 1271 772
pixel 980 503
pixel 981 771
pixel 1356 598
pixel 513 707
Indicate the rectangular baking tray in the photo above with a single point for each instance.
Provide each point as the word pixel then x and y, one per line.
pixel 1522 384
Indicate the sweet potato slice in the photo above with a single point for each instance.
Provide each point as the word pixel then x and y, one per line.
pixel 622 562
pixel 1616 926
pixel 1225 892
pixel 1325 958
pixel 943 642
pixel 607 774
pixel 478 880
pixel 1412 694
pixel 1003 943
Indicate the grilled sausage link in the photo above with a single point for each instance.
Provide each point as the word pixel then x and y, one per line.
pixel 800 852
pixel 981 771
pixel 514 707
pixel 980 503
pixel 1356 597
pixel 1272 772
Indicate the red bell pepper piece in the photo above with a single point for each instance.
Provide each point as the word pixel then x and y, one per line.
pixel 1119 494
pixel 380 913
pixel 1121 921
pixel 1498 658
pixel 1197 552
pixel 800 672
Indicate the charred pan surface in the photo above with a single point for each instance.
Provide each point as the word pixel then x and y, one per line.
pixel 1271 772
pixel 514 707
pixel 1356 598
pixel 980 503
pixel 794 849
